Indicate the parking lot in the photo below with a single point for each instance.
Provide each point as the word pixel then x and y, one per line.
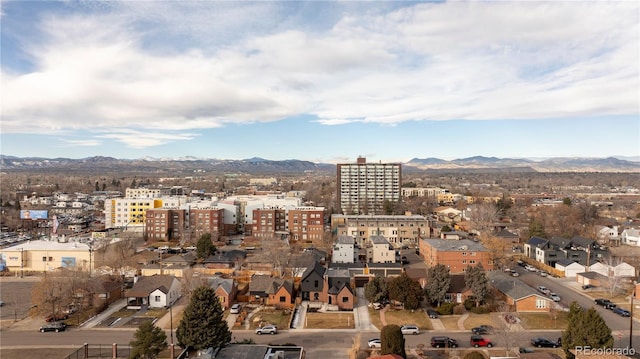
pixel 16 295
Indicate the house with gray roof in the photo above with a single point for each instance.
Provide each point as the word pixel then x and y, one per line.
pixel 156 291
pixel 226 290
pixel 519 296
pixel 268 290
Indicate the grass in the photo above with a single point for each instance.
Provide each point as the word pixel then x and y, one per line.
pixel 329 321
pixel 543 320
pixel 450 322
pixel 279 318
pixel 475 320
pixel 374 317
pixel 400 317
pixel 155 313
pixel 616 298
pixel 124 313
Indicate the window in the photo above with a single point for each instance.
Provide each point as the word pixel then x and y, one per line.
pixel 44 259
pixel 282 299
pixel 541 303
pixel 315 283
pixel 464 261
pixel 345 299
pixel 157 298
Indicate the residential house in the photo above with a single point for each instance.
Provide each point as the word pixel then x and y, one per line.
pixel 299 263
pixel 379 250
pixel 312 286
pixel 226 290
pixel 341 296
pixel 455 235
pixel 601 268
pixel 606 234
pixel 569 267
pixel 156 291
pixel 397 229
pixel 267 290
pixel 518 295
pixel 534 243
pixel 507 236
pixel 448 214
pixel 418 274
pixel 458 291
pixel 344 251
pixel 455 254
pixel 630 237
pixel 624 270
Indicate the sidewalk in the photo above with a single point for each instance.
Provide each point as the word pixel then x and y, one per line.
pixel 361 313
pixel 114 307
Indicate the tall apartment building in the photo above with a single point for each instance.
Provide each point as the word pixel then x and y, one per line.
pixel 205 220
pixel 128 213
pixel 363 188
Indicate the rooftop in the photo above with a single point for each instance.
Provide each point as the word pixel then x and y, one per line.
pixel 451 245
pixel 39 245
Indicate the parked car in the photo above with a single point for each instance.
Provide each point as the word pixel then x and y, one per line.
pixel 235 309
pixel 56 317
pixel 432 313
pixel 410 329
pixel 443 342
pixel 525 350
pixel 588 286
pixel 554 297
pixel 375 343
pixel 482 329
pixel 378 306
pixel 602 301
pixel 267 329
pixel 543 289
pixel 53 327
pixel 479 341
pixel 514 273
pixel 622 312
pixel 70 309
pixel 544 343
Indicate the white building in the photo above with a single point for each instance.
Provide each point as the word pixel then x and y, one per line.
pixel 570 268
pixel 379 251
pixel 630 237
pixel 344 250
pixel 364 188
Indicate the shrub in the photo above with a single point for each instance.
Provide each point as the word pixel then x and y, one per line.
pixel 392 340
pixel 469 303
pixel 459 309
pixel 480 310
pixel 445 308
pixel 474 355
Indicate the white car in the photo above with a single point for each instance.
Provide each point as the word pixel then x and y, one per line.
pixel 515 274
pixel 544 290
pixel 235 309
pixel 410 329
pixel 375 343
pixel 267 329
pixel 554 297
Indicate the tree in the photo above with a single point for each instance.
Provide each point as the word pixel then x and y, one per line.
pixel 536 229
pixel 438 282
pixel 376 290
pixel 204 247
pixel 392 341
pixel 406 290
pixel 509 331
pixel 149 341
pixel 585 328
pixel 476 279
pixel 202 325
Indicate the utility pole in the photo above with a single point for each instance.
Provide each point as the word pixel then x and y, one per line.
pixel 631 318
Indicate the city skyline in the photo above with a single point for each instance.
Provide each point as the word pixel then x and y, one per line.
pixel 320 81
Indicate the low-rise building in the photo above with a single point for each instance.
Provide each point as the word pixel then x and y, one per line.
pixel 455 254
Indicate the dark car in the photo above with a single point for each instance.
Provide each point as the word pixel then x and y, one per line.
pixel 622 312
pixel 525 350
pixel 482 329
pixel 602 301
pixel 443 342
pixel 432 313
pixel 478 341
pixel 588 286
pixel 53 327
pixel 544 343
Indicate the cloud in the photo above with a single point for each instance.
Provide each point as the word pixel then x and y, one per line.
pixel 83 143
pixel 172 68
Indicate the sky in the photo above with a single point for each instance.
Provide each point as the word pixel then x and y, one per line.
pixel 323 81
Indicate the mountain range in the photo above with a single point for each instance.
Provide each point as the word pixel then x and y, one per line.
pixel 261 165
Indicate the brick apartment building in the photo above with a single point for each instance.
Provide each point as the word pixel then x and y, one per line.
pixel 455 254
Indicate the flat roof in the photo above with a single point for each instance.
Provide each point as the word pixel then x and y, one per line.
pixel 456 245
pixel 52 245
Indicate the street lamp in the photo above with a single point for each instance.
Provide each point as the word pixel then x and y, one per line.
pixel 90 245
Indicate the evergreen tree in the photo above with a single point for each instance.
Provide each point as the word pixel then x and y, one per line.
pixel 438 282
pixel 376 290
pixel 406 290
pixel 585 328
pixel 392 341
pixel 476 279
pixel 536 229
pixel 205 247
pixel 149 341
pixel 202 325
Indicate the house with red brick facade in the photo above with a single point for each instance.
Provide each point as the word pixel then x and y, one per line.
pixel 455 254
pixel 519 296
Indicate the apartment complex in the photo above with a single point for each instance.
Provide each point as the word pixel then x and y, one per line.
pixel 166 224
pixel 267 222
pixel 399 230
pixel 299 223
pixel 455 254
pixel 364 188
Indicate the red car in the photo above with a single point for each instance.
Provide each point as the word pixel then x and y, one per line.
pixel 478 341
pixel 56 317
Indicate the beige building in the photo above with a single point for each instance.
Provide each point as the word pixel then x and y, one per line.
pixel 379 251
pixel 43 256
pixel 399 230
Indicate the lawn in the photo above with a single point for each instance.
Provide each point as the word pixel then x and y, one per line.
pixel 450 322
pixel 475 320
pixel 374 317
pixel 280 318
pixel 543 320
pixel 155 313
pixel 329 321
pixel 400 317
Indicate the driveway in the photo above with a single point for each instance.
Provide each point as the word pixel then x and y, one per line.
pixel 361 313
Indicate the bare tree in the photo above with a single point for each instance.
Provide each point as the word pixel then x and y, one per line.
pixel 509 328
pixel 277 252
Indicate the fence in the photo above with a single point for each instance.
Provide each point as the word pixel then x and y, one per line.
pixel 112 351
